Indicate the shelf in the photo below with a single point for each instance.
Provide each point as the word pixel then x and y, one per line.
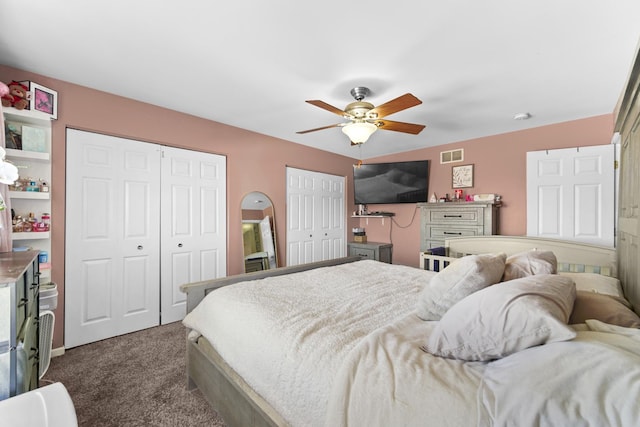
pixel 31 235
pixel 27 116
pixel 31 195
pixel 382 215
pixel 27 155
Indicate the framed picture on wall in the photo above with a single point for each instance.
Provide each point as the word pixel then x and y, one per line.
pixel 44 100
pixel 462 176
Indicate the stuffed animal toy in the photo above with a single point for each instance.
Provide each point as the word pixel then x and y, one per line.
pixel 18 96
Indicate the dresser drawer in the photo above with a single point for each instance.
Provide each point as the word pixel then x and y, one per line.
pixel 474 216
pixel 440 232
pixel 363 252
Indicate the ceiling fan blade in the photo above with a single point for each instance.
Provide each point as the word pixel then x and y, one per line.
pixel 328 107
pixel 399 126
pixel 324 127
pixel 400 103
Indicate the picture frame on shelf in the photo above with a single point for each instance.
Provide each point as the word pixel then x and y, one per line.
pixel 462 176
pixel 13 138
pixel 44 100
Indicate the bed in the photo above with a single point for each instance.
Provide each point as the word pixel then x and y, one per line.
pixel 344 342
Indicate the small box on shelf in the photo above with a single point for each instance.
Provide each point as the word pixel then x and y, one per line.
pixel 360 239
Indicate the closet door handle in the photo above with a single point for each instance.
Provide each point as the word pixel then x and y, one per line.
pixel 139 247
pixel 179 245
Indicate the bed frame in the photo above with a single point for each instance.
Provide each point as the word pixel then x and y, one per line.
pixel 221 386
pixel 239 405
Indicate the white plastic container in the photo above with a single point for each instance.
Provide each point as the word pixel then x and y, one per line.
pixel 48 296
pixel 49 406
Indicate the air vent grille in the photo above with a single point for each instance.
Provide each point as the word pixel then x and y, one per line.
pixel 452 156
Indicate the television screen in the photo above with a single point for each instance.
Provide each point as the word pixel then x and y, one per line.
pixel 397 182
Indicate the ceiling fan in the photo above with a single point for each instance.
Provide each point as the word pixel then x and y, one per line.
pixel 365 119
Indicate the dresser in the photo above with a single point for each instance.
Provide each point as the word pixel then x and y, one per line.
pixel 19 322
pixel 440 221
pixel 371 250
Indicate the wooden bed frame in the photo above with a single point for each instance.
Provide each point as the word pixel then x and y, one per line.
pixel 239 405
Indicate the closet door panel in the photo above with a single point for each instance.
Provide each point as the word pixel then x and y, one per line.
pixel 95 292
pixel 181 272
pixel 135 295
pixel 193 223
pixel 112 237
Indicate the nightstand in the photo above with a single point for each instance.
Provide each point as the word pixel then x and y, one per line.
pixel 371 250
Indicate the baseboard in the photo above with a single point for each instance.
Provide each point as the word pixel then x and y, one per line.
pixel 57 351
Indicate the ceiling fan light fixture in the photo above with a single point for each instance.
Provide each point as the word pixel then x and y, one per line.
pixel 359 132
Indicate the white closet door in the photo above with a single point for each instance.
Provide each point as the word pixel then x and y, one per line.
pixel 315 216
pixel 112 237
pixel 193 217
pixel 571 194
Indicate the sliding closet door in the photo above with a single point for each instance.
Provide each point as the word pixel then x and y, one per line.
pixel 112 237
pixel 193 217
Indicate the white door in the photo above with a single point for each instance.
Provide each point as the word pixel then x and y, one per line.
pixel 193 224
pixel 315 216
pixel 571 194
pixel 112 237
pixel 267 241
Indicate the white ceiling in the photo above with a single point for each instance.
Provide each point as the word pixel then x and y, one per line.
pixel 253 63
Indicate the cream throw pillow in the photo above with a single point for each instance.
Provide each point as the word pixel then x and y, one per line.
pixel 505 318
pixel 593 282
pixel 529 263
pixel 461 278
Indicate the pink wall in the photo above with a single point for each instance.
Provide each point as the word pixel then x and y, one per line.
pixel 255 162
pixel 499 167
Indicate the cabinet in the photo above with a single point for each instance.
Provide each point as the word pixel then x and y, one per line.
pixel 19 322
pixel 440 221
pixel 34 166
pixel 371 250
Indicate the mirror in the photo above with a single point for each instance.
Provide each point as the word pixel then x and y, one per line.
pixel 258 232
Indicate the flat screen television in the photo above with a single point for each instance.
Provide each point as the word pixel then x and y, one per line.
pixel 396 182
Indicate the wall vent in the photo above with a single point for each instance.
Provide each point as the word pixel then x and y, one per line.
pixel 452 156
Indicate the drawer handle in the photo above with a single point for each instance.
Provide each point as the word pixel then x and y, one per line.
pixel 453 216
pixel 455 234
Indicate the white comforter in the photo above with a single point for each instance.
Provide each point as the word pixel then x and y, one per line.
pixel 593 380
pixel 289 349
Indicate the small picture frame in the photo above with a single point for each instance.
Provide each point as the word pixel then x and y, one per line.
pixel 44 100
pixel 462 176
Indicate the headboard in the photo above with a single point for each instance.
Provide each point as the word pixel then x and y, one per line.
pixel 572 256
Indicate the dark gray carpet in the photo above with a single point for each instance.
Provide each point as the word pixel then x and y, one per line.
pixel 136 379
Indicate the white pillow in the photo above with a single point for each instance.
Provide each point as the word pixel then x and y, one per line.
pixel 505 318
pixel 592 282
pixel 528 263
pixel 461 278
